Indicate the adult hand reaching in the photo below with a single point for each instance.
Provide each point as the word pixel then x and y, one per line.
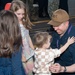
pixel 55 68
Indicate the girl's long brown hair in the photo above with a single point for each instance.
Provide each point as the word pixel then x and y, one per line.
pixel 16 5
pixel 10 35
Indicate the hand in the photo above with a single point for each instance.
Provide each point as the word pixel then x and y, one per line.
pixel 55 68
pixel 71 40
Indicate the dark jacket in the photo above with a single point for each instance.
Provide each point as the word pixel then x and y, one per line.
pixel 68 57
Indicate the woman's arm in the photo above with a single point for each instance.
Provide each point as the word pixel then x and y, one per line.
pixel 30 43
pixel 23 58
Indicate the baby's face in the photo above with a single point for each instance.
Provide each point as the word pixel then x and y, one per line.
pixel 47 44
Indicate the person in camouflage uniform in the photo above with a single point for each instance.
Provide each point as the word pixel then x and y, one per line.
pixel 52 6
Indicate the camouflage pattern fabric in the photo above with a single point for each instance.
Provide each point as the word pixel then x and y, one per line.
pixel 52 6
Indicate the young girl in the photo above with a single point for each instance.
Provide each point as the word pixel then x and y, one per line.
pixel 10 44
pixel 44 57
pixel 19 8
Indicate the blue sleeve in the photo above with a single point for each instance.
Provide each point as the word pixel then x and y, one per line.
pixel 72 51
pixel 17 67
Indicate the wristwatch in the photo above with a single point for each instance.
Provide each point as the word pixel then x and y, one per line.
pixel 65 69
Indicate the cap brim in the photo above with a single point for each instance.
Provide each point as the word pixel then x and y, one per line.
pixel 54 23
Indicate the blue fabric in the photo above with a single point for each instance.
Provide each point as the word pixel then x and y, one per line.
pixel 13 65
pixel 17 66
pixel 68 57
pixel 5 66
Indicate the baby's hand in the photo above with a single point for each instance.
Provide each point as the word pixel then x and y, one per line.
pixel 71 40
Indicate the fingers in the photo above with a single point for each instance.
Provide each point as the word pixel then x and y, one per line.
pixel 55 68
pixel 71 40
